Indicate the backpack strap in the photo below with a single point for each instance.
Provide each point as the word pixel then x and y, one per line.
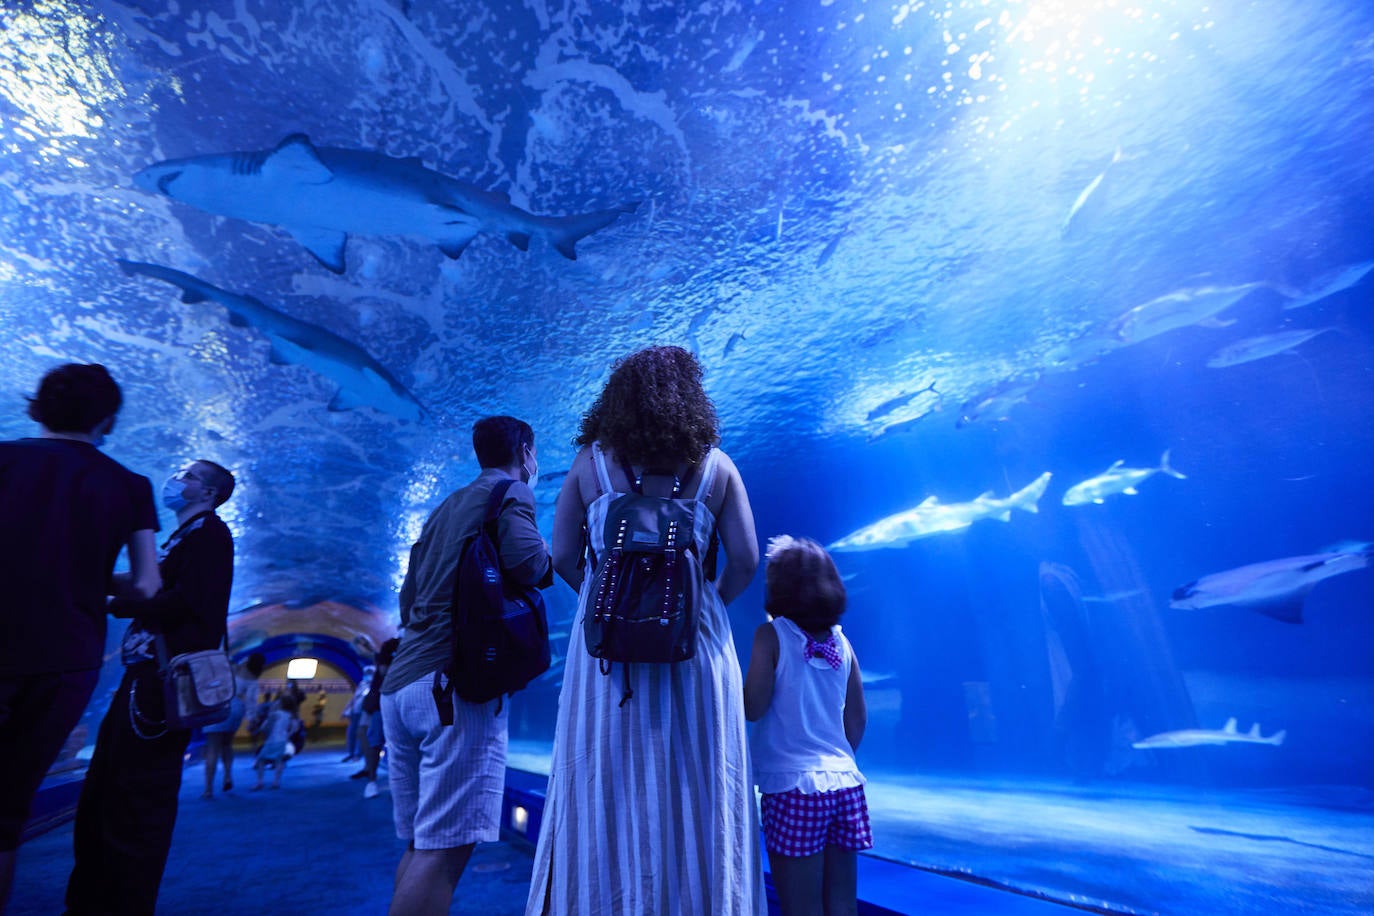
pixel 603 477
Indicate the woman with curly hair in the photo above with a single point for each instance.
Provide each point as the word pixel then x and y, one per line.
pixel 649 807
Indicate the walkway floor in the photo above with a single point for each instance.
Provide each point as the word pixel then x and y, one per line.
pixel 314 846
pixel 317 847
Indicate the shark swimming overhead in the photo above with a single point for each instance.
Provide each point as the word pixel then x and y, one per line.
pixel 362 381
pixel 1179 309
pixel 1194 737
pixel 1116 479
pixel 931 517
pixel 322 194
pixel 1276 588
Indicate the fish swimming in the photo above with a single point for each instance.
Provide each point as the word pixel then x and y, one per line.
pixel 1116 479
pixel 931 517
pixel 1331 283
pixel 1253 348
pixel 361 379
pixel 997 401
pixel 321 194
pixel 1276 588
pixel 1086 193
pixel 1194 737
pixel 901 400
pixel 1178 310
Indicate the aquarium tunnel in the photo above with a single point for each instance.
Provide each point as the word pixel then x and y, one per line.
pixel 1052 319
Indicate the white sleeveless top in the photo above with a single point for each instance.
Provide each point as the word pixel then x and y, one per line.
pixel 799 743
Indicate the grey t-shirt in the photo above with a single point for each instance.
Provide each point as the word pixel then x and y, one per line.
pixel 427 594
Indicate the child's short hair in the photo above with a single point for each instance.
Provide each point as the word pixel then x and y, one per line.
pixel 288 703
pixel 802 584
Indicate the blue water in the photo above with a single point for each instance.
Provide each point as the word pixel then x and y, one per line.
pixel 842 203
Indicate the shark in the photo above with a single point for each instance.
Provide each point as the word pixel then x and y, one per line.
pixel 361 379
pixel 1253 348
pixel 1179 309
pixel 1116 479
pixel 1193 737
pixel 932 517
pixel 321 195
pixel 1276 588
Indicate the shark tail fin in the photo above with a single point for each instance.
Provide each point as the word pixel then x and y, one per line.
pixel 566 231
pixel 1229 727
pixel 1028 498
pixel 1277 737
pixel 1165 468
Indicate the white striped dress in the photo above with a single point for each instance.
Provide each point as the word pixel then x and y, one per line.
pixel 650 808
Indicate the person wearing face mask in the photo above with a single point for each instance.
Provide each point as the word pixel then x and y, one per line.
pixel 447 782
pixel 66 511
pixel 128 803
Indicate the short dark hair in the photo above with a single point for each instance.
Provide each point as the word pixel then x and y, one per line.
pixel 255 663
pixel 288 702
pixel 75 397
pixel 220 479
pixel 653 409
pixel 802 584
pixel 497 440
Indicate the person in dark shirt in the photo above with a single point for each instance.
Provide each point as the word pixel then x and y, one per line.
pixel 66 511
pixel 128 803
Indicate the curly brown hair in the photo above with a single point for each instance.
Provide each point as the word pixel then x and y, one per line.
pixel 802 584
pixel 653 410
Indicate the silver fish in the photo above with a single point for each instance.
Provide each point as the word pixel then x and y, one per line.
pixel 1116 479
pixel 1253 348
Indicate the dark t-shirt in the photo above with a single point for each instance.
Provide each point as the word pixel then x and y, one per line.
pixel 66 510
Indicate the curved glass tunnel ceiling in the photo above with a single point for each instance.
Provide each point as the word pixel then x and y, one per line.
pixel 929 243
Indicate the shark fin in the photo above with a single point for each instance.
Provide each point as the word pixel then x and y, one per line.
pixel 1131 491
pixel 1229 727
pixel 1277 737
pixel 1003 516
pixel 1099 501
pixel 238 320
pixel 1116 464
pixel 192 296
pixel 297 156
pixel 520 240
pixel 1289 610
pixel 276 356
pixel 929 501
pixel 1253 732
pixel 327 245
pixel 345 400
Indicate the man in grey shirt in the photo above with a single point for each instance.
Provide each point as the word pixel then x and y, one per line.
pixel 447 782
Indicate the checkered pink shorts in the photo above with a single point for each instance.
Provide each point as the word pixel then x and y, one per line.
pixel 802 825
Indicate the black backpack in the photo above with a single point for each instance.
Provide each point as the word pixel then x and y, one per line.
pixel 648 586
pixel 500 630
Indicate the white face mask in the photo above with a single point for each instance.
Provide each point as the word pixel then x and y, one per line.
pixel 533 480
pixel 174 494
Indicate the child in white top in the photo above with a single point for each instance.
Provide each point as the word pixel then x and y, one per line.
pixel 280 725
pixel 804 690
